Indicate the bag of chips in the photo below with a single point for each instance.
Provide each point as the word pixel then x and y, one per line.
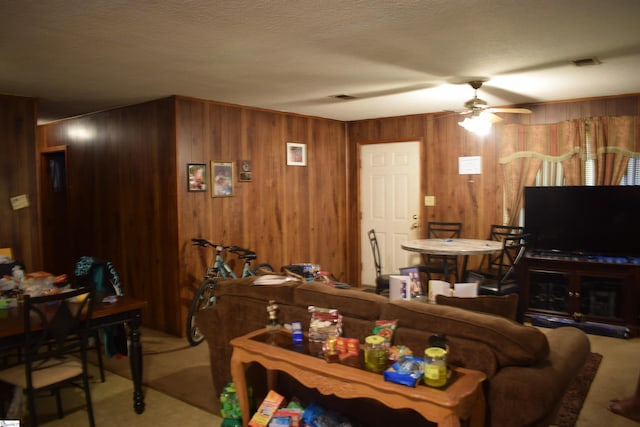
pixel 324 322
pixel 386 329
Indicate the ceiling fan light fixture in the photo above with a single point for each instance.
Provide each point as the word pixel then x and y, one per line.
pixel 477 125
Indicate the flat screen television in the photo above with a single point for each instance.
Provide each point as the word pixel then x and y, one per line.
pixel 584 220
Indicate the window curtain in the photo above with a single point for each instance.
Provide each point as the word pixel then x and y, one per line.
pixel 523 148
pixel 614 140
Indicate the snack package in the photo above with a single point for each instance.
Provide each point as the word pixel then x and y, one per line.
pixel 386 329
pixel 349 346
pixel 406 371
pixel 296 330
pixel 293 414
pixel 267 408
pixel 325 322
pixel 396 352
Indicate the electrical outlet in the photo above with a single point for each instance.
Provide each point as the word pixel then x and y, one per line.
pixel 429 200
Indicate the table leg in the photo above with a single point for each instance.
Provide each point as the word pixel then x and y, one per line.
pixel 240 381
pixel 135 360
pixel 451 420
pixel 478 411
pixel 465 259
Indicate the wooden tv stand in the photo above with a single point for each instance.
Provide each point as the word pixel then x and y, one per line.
pixel 462 398
pixel 585 288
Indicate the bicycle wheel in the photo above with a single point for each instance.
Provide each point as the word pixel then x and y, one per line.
pixel 264 266
pixel 202 299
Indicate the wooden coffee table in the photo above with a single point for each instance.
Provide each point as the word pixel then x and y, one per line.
pixel 462 398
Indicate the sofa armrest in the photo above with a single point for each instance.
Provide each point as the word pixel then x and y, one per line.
pixel 529 396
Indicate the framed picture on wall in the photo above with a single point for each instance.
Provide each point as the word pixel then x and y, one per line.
pixel 296 154
pixel 197 177
pixel 245 173
pixel 221 178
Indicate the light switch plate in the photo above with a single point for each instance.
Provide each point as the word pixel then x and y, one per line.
pixel 429 200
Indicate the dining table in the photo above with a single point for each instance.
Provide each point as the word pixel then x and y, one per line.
pixel 454 247
pixel 106 312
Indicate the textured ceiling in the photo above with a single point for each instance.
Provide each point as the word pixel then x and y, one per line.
pixel 396 57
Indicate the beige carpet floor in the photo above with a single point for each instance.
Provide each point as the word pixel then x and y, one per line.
pixel 170 363
pixel 113 406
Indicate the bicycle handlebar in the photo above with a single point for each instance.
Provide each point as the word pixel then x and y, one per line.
pixel 242 253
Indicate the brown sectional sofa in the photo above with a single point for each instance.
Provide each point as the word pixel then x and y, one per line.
pixel 528 371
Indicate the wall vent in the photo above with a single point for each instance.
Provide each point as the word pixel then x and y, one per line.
pixel 585 62
pixel 343 97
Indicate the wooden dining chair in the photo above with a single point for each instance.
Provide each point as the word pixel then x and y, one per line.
pixel 52 325
pixel 382 280
pixel 444 265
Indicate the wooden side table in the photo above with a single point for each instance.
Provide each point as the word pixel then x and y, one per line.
pixel 463 398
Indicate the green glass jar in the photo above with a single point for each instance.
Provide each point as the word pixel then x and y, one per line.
pixel 375 353
pixel 435 367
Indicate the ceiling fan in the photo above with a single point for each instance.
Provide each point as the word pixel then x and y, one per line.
pixel 481 117
pixel 477 106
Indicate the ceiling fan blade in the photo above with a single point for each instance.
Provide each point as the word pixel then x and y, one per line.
pixel 509 110
pixel 488 115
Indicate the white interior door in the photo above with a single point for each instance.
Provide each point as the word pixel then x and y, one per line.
pixel 389 199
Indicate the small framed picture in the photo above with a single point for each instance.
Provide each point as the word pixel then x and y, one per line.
pixel 245 171
pixel 221 178
pixel 296 154
pixel 416 286
pixel 197 177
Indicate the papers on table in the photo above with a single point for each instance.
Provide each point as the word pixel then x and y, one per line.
pixel 465 289
pixel 273 279
pixel 440 287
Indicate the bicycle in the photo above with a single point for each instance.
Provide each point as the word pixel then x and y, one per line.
pixel 204 296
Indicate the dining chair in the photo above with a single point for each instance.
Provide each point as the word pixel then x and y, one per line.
pixel 52 325
pixel 490 264
pixel 382 280
pixel 505 280
pixel 445 265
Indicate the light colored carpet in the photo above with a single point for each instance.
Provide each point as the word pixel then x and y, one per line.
pixel 172 366
pixel 113 406
pixel 617 377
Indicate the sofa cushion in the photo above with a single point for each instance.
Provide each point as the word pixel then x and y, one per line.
pixel 349 302
pixel 513 343
pixel 505 305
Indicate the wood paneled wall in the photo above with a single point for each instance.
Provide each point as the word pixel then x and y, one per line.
pixel 120 202
pixel 128 200
pixel 19 228
pixel 473 199
pixel 287 214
